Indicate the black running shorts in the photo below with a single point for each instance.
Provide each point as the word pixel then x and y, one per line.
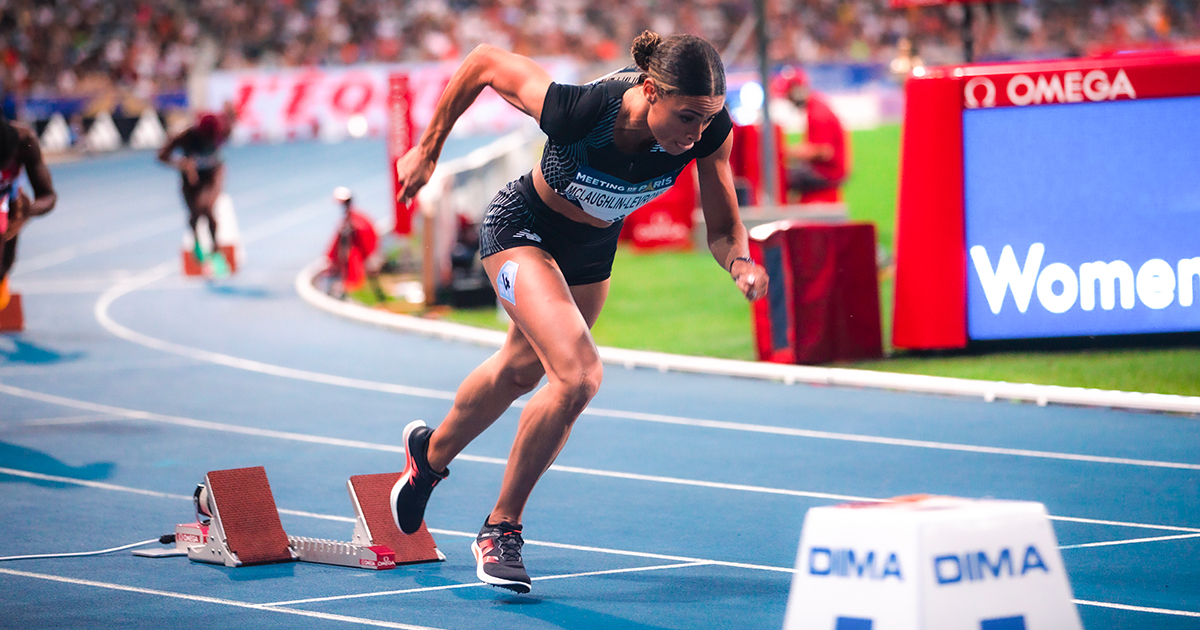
pixel 518 217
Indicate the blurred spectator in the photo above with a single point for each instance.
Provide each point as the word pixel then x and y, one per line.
pixel 817 166
pixel 138 48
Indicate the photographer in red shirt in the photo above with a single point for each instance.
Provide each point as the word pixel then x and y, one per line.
pixel 819 165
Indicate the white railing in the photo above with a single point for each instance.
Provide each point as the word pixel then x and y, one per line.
pixel 464 186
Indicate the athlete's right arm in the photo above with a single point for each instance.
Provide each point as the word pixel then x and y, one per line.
pixel 519 80
pixel 164 153
pixel 185 165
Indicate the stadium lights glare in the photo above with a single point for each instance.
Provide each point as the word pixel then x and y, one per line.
pixel 356 126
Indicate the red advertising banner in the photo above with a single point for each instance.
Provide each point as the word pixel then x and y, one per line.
pixel 1122 77
pixel 333 103
pixel 666 222
pixel 930 308
pixel 400 138
pixel 904 4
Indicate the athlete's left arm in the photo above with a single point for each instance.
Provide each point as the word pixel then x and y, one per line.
pixel 44 197
pixel 727 238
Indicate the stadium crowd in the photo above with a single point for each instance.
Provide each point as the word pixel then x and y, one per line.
pixel 65 47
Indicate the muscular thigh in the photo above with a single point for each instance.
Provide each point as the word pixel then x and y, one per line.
pixel 550 319
pixel 8 255
pixel 201 196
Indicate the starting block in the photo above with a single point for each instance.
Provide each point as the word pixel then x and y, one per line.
pixel 371 496
pixel 245 529
pixel 186 535
pixel 228 238
pixel 12 317
pixel 377 543
pixel 192 267
pixel 930 563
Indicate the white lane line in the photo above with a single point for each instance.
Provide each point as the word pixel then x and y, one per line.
pixel 658 567
pixel 213 600
pixel 199 424
pixel 163 270
pixel 48 422
pixel 1131 541
pixel 401 591
pixel 871 439
pixel 99 485
pixel 634 554
pixel 1092 521
pixel 989 391
pixel 639 554
pixel 166 224
pixel 708 484
pixel 108 241
pixel 108 297
pixel 448 532
pixel 447 587
pixel 98 366
pixel 1159 611
pixel 377 446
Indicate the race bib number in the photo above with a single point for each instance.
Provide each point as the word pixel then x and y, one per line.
pixel 610 199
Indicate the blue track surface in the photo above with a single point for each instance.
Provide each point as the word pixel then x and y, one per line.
pixel 131 382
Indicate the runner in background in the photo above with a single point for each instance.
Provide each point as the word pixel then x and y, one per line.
pixel 203 176
pixel 547 243
pixel 19 148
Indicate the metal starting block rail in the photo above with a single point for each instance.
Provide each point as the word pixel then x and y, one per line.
pixel 244 527
pixel 345 554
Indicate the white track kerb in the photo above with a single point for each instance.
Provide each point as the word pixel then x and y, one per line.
pixel 988 390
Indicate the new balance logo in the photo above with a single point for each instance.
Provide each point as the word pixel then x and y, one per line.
pixel 529 235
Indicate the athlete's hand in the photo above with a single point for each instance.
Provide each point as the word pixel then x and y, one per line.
pixel 413 171
pixel 18 214
pixel 187 166
pixel 751 278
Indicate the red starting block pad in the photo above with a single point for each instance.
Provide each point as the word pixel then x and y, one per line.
pixel 12 317
pixel 377 544
pixel 229 238
pixel 930 563
pixel 371 496
pixel 245 527
pixel 192 267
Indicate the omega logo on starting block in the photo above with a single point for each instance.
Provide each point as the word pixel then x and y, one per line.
pixel 930 563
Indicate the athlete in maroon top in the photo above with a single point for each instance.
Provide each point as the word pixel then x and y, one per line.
pixel 201 168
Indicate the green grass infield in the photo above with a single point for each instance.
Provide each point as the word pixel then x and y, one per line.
pixel 685 303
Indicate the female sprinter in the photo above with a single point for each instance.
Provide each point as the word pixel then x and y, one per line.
pixel 548 241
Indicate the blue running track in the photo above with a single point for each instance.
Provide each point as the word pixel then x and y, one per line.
pixel 678 502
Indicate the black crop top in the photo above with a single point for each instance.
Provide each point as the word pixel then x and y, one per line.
pixel 581 163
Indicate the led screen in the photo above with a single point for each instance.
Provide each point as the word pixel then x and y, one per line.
pixel 1083 219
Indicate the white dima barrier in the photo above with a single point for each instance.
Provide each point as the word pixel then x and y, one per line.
pixel 930 563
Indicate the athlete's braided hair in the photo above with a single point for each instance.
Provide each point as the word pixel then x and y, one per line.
pixel 680 64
